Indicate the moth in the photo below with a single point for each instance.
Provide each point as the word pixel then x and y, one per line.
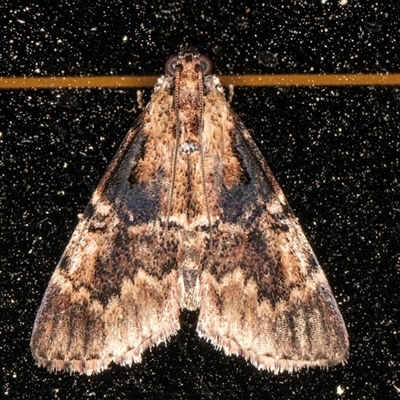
pixel 188 216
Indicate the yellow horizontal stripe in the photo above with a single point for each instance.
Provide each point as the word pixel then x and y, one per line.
pixel 237 80
pixel 57 82
pixel 312 80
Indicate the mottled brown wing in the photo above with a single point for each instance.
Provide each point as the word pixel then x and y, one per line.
pixel 263 294
pixel 114 292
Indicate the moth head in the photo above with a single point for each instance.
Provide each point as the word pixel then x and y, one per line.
pixel 173 63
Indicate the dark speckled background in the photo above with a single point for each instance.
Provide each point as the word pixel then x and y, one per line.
pixel 334 150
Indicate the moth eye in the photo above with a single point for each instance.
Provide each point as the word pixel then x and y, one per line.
pixel 170 65
pixel 205 64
